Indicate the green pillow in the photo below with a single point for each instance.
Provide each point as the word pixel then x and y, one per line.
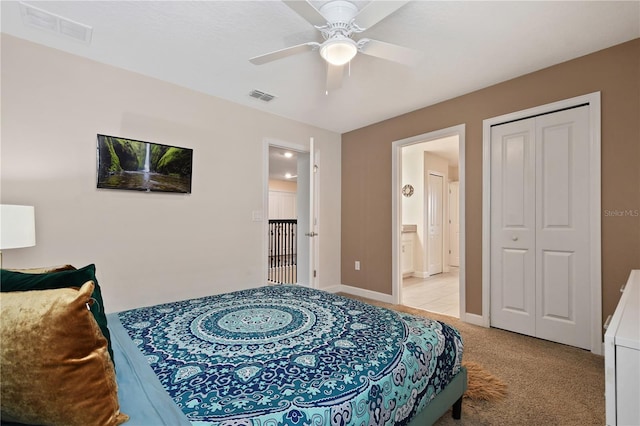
pixel 18 281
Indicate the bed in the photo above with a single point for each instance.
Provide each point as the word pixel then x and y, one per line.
pixel 284 355
pixel 275 355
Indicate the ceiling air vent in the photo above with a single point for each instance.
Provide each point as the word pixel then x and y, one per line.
pixel 36 17
pixel 261 95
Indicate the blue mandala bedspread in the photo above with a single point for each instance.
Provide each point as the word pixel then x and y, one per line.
pixel 290 355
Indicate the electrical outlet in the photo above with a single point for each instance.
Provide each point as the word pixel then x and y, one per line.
pixel 357 265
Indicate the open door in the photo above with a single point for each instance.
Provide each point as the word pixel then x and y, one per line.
pixel 307 236
pixel 301 233
pixel 312 234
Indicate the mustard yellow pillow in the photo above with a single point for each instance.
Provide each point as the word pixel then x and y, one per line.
pixel 54 361
pixel 59 277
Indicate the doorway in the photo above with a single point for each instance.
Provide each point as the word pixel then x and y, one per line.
pixel 291 202
pixel 425 275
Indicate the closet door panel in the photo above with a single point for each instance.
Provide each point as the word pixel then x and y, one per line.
pixel 514 282
pixel 562 227
pixel 557 286
pixel 556 183
pixel 513 227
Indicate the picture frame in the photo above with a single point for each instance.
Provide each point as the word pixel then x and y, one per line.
pixel 130 164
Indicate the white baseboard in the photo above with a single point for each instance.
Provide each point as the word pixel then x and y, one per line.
pixel 332 289
pixel 355 291
pixel 474 319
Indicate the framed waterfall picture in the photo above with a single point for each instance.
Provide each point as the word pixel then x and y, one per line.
pixel 143 166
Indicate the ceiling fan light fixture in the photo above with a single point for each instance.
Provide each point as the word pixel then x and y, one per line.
pixel 338 50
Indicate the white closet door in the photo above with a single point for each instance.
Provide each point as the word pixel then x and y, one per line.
pixel 540 240
pixel 563 289
pixel 513 227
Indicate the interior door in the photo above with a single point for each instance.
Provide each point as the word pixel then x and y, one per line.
pixel 308 238
pixel 513 227
pixel 563 298
pixel 454 224
pixel 312 234
pixel 540 240
pixel 435 218
pixel 303 202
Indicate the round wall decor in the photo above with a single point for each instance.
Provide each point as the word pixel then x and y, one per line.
pixel 407 190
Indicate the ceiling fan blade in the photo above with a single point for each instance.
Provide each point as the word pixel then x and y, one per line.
pixel 334 76
pixel 283 53
pixel 376 11
pixel 391 52
pixel 307 11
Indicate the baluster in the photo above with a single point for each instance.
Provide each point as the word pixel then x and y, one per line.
pixel 283 251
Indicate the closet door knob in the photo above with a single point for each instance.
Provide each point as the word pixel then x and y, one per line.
pixel 514 238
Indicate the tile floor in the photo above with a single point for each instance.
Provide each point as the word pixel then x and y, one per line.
pixel 438 293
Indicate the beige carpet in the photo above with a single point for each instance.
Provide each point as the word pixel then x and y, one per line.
pixel 546 383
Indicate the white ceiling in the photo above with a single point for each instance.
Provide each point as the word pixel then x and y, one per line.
pixel 280 165
pixel 206 46
pixel 446 148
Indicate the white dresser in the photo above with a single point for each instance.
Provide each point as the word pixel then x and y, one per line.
pixel 622 357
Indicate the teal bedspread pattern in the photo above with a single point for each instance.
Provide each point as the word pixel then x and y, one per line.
pixel 290 355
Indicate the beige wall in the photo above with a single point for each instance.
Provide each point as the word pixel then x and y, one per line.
pixel 366 167
pixel 453 174
pixel 147 247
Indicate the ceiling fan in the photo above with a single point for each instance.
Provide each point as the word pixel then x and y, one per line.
pixel 338 21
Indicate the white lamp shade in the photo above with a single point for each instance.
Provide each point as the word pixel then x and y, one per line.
pixel 17 226
pixel 339 50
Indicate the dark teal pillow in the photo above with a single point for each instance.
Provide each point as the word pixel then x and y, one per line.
pixel 19 281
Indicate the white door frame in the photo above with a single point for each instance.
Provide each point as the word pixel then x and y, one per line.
pixel 449 218
pixel 396 207
pixel 314 255
pixel 593 100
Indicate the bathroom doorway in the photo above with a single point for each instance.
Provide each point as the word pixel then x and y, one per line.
pixel 428 222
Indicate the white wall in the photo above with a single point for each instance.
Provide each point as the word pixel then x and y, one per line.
pixel 148 247
pixel 413 207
